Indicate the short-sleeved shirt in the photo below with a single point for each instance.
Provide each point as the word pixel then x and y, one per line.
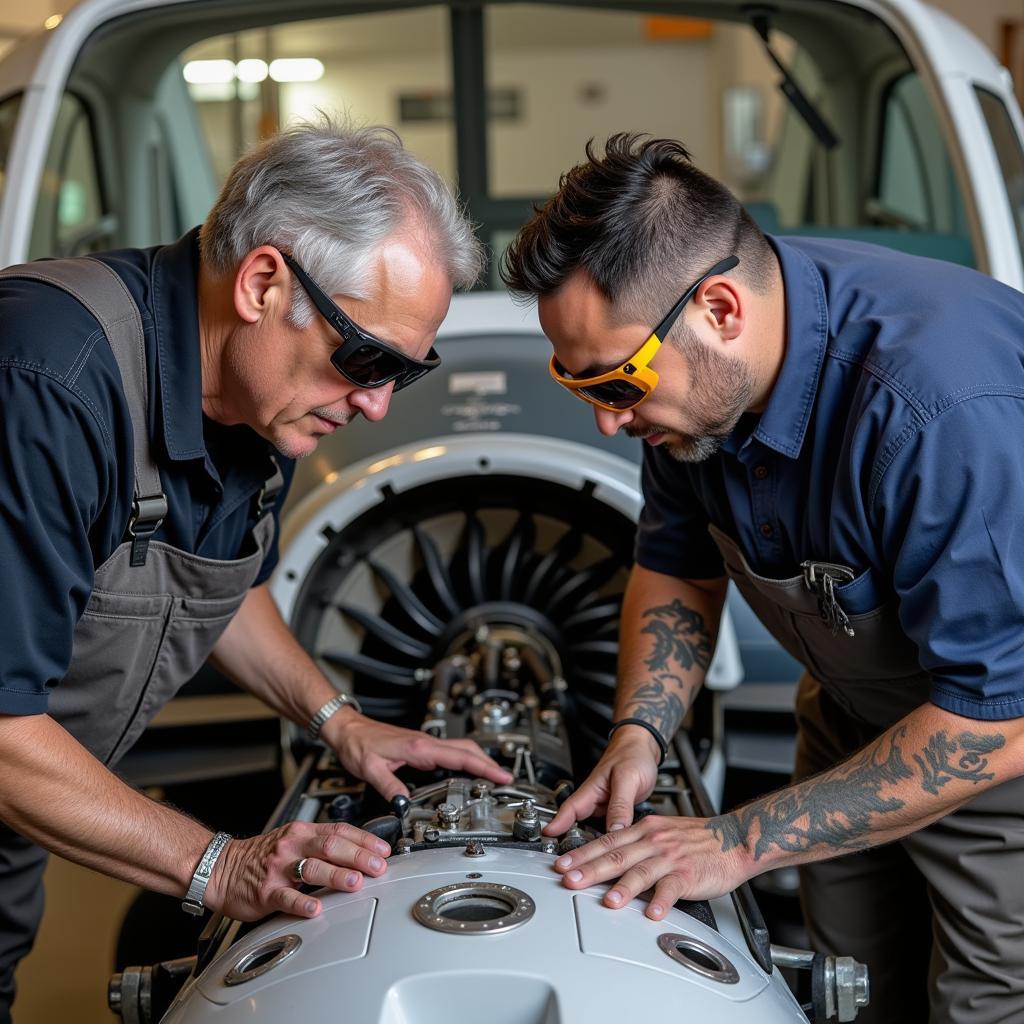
pixel 892 443
pixel 66 476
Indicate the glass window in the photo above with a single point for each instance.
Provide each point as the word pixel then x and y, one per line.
pixel 1010 153
pixel 8 119
pixel 579 74
pixel 390 69
pixel 70 215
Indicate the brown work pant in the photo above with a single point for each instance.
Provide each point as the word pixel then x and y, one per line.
pixel 937 916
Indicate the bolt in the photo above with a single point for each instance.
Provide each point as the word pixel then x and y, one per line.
pixel 448 815
pixel 550 719
pixel 526 826
pixel 431 835
pixel 479 789
pixel 549 846
pixel 572 840
pixel 475 849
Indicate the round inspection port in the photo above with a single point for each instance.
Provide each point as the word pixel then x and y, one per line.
pixel 474 908
pixel 698 957
pixel 262 959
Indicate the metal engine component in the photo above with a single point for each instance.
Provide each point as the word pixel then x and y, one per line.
pixel 840 987
pixel 487 613
pixel 470 903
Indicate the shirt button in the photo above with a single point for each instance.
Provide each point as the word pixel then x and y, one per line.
pixel 767 530
pixel 761 472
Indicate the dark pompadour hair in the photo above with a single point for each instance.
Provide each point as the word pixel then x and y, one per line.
pixel 643 222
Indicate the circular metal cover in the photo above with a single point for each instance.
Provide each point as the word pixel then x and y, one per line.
pixel 698 957
pixel 474 908
pixel 261 959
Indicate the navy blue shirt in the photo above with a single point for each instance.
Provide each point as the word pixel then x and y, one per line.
pixel 66 477
pixel 893 443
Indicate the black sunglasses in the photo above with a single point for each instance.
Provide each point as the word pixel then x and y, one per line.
pixel 363 359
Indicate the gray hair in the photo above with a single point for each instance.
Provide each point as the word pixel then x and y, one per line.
pixel 330 193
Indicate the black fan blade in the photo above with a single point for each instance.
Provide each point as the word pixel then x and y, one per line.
pixel 605 680
pixel 562 552
pixel 396 675
pixel 583 584
pixel 476 558
pixel 596 618
pixel 407 600
pixel 609 648
pixel 437 571
pixel 518 546
pixel 389 634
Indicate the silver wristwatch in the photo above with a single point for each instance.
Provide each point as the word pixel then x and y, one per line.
pixel 193 902
pixel 316 723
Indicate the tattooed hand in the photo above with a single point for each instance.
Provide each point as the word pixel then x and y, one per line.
pixel 624 776
pixel 678 857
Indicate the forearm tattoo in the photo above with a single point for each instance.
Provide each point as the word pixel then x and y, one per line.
pixel 842 807
pixel 835 809
pixel 968 750
pixel 681 642
pixel 679 636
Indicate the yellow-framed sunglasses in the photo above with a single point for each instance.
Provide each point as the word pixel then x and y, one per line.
pixel 630 383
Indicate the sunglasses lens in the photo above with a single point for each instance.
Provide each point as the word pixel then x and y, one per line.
pixel 619 394
pixel 370 366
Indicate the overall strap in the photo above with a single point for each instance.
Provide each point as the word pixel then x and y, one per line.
pixel 106 297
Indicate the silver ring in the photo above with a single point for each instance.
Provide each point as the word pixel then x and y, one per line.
pixel 297 871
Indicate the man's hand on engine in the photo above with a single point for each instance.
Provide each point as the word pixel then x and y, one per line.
pixel 373 751
pixel 624 776
pixel 255 877
pixel 678 857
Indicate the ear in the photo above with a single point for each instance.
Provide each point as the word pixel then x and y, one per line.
pixel 262 283
pixel 723 305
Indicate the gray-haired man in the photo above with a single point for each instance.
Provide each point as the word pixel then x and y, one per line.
pixel 152 402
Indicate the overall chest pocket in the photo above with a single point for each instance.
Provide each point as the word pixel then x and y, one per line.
pixel 192 629
pixel 878 651
pixel 115 649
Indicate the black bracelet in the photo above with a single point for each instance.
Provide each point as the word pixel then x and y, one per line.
pixel 658 738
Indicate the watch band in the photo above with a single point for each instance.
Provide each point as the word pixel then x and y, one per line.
pixel 658 738
pixel 316 723
pixel 193 902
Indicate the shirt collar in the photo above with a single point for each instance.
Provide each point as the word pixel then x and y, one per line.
pixel 783 424
pixel 175 288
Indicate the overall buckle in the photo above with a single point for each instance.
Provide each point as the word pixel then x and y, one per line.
pixel 147 516
pixel 270 490
pixel 821 579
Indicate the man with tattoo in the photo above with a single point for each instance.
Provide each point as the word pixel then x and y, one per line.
pixel 837 428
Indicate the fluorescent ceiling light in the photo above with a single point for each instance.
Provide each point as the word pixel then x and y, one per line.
pixel 209 72
pixel 296 69
pixel 252 69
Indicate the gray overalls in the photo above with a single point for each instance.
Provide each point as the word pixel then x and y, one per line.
pixel 152 619
pixel 939 915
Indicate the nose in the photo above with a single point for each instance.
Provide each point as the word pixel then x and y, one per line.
pixel 372 402
pixel 609 422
